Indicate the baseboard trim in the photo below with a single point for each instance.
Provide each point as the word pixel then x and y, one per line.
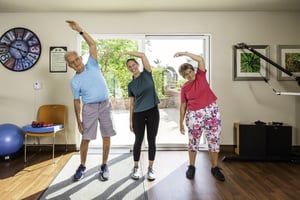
pixel 72 148
pixel 227 148
pixel 48 147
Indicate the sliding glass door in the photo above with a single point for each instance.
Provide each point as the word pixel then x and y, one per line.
pixel 160 50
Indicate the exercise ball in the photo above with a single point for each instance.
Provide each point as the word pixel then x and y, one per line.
pixel 11 139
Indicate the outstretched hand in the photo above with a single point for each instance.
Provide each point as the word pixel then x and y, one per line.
pixel 178 54
pixel 74 25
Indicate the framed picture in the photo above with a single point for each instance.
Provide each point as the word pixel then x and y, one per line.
pixel 57 60
pixel 288 57
pixel 247 66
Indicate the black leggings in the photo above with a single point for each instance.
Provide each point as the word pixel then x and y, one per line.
pixel 149 119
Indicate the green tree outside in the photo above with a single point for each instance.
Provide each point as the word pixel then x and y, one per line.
pixel 114 67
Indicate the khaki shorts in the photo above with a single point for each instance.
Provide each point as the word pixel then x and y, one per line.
pixel 92 114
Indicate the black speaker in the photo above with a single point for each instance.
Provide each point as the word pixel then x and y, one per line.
pixel 279 142
pixel 252 140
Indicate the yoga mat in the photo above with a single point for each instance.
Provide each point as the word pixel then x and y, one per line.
pixel 119 186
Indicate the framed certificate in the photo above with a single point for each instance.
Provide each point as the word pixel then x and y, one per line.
pixel 57 60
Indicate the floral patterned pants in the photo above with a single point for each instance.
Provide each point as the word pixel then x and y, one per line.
pixel 206 120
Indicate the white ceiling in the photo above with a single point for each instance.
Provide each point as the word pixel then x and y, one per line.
pixel 146 5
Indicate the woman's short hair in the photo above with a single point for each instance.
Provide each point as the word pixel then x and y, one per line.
pixel 183 67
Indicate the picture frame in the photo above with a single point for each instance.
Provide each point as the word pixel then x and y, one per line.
pixel 247 66
pixel 288 57
pixel 57 60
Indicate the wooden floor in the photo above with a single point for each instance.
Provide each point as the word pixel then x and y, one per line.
pixel 244 180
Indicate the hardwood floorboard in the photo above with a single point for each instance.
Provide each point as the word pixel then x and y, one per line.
pixel 28 181
pixel 244 180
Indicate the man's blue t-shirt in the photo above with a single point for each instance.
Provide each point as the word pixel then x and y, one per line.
pixel 90 84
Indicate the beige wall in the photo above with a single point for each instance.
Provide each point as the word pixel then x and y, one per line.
pixel 240 101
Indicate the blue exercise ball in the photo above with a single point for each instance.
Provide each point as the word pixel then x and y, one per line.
pixel 11 139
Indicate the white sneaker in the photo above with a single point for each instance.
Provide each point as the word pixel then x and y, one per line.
pixel 150 174
pixel 135 173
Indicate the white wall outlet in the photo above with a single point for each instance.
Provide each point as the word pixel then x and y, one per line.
pixel 37 85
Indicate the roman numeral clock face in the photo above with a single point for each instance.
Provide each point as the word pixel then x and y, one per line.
pixel 20 49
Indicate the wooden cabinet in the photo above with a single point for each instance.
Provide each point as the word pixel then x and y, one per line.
pixel 263 142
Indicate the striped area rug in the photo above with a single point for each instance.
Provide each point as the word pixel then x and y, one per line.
pixel 119 186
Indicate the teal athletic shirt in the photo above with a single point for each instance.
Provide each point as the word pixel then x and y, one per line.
pixel 90 84
pixel 143 90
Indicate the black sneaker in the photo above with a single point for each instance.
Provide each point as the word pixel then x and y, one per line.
pixel 79 173
pixel 190 173
pixel 215 171
pixel 104 172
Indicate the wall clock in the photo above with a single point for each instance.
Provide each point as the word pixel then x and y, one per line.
pixel 20 49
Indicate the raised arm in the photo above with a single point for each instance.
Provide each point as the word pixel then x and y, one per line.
pixel 141 55
pixel 197 58
pixel 89 40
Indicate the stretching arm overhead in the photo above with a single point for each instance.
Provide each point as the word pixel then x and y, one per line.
pixel 197 58
pixel 89 40
pixel 142 56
